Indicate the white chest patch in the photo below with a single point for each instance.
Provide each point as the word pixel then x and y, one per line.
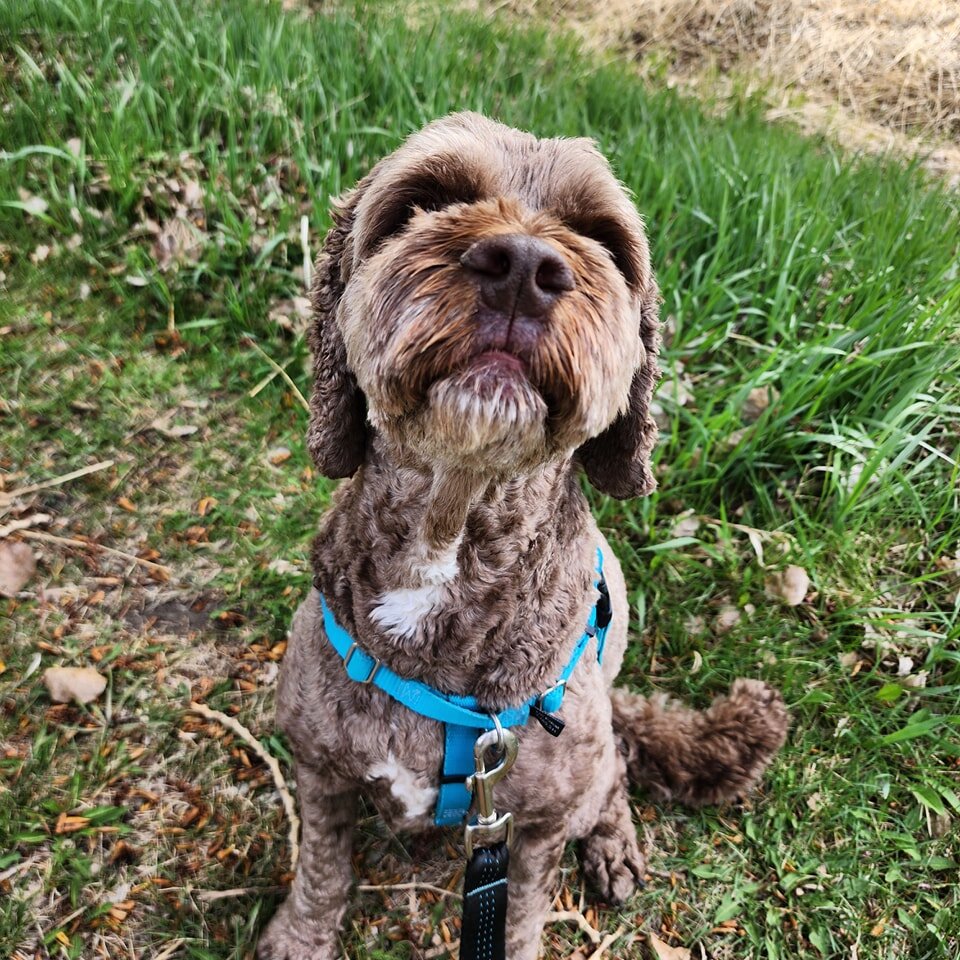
pixel 417 799
pixel 400 612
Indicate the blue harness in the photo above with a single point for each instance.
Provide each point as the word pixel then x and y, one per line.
pixel 462 717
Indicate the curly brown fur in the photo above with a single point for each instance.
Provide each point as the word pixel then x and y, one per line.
pixel 485 322
pixel 700 757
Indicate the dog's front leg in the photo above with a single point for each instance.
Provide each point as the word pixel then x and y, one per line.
pixel 534 861
pixel 306 926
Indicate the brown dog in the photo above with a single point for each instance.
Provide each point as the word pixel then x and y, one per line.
pixel 486 324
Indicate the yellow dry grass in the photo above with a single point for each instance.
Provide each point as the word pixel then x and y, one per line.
pixel 877 75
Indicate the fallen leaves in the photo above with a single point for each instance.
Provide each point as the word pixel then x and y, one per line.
pixel 179 242
pixel 70 824
pixel 663 951
pixel 726 619
pixel 17 566
pixel 758 399
pixel 80 684
pixel 31 204
pixel 292 315
pixel 789 585
pixel 173 431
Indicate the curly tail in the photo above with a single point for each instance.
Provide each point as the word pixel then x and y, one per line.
pixel 700 757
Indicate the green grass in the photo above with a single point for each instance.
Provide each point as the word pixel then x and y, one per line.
pixel 782 264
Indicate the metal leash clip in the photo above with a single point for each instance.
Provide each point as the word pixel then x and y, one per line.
pixel 489 828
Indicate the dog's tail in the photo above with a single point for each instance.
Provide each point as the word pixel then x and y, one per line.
pixel 700 757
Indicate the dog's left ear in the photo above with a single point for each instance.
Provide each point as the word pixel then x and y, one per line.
pixel 617 461
pixel 337 435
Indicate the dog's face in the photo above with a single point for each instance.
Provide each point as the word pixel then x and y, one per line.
pixel 485 300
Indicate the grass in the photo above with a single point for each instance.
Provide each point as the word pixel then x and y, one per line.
pixel 831 283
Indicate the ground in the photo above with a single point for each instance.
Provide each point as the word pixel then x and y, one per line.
pixel 878 76
pixel 157 162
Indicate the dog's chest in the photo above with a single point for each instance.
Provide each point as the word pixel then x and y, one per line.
pixel 402 786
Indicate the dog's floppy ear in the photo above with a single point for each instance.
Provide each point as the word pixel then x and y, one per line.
pixel 617 461
pixel 337 435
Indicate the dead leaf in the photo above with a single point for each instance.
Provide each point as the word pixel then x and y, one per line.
pixel 41 253
pixel 293 314
pixel 82 684
pixel 789 586
pixel 179 242
pixel 686 525
pixel 33 205
pixel 173 432
pixel 70 824
pixel 279 455
pixel 283 567
pixel 757 402
pixel 74 146
pixel 663 951
pixel 726 619
pixel 192 195
pixel 17 565
pixel 904 666
pixel 733 440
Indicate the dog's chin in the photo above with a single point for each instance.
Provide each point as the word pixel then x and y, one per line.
pixel 486 415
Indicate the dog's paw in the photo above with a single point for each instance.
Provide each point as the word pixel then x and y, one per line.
pixel 613 864
pixel 286 939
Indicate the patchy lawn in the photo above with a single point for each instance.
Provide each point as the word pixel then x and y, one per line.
pixel 157 162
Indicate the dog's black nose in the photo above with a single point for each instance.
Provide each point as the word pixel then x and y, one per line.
pixel 518 273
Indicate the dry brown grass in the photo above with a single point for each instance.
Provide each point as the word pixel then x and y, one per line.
pixel 877 75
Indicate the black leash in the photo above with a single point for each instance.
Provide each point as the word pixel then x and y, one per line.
pixel 483 930
pixel 487 839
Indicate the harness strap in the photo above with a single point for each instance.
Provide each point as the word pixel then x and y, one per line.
pixel 463 718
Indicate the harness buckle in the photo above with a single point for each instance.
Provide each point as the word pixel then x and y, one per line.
pixel 489 827
pixel 548 706
pixel 373 670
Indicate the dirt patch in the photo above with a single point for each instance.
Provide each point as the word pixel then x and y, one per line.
pixel 876 75
pixel 172 613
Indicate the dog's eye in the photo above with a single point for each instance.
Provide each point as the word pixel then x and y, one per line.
pixel 616 238
pixel 410 197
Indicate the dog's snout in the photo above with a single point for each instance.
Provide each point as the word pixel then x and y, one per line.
pixel 518 273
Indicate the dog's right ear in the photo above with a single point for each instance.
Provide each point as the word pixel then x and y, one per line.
pixel 337 435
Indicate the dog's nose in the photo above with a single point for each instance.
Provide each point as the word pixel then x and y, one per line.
pixel 518 273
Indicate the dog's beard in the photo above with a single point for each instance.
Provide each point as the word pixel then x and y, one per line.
pixel 486 415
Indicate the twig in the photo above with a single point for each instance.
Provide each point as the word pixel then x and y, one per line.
pixel 87 544
pixel 607 940
pixel 234 726
pixel 170 949
pixel 56 481
pixel 305 246
pixel 263 384
pixel 575 916
pixel 209 896
pixel 376 887
pixel 17 868
pixel 283 373
pixel 14 525
pixel 666 874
